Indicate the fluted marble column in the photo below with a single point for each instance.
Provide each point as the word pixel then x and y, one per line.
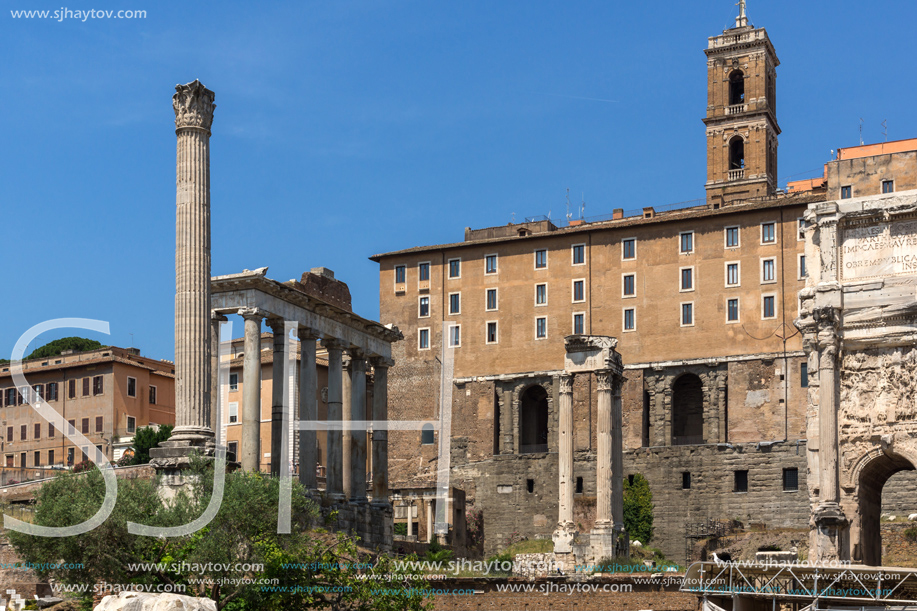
pixel 603 475
pixel 358 438
pixel 193 105
pixel 215 320
pixel 277 398
pixel 251 390
pixel 617 460
pixel 334 481
pixel 380 435
pixel 308 406
pixel 565 453
pixel 346 434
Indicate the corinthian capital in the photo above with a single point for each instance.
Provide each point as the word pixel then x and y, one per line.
pixel 193 104
pixel 603 380
pixel 566 384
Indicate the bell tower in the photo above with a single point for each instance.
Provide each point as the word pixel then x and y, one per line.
pixel 741 116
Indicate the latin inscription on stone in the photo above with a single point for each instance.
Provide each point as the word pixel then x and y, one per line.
pixel 882 249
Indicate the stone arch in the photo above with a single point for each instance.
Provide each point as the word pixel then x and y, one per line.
pixel 687 410
pixel 737 152
pixel 533 420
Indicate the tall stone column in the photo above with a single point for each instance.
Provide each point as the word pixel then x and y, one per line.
pixel 346 434
pixel 563 534
pixel 334 486
pixel 251 390
pixel 380 436
pixel 193 105
pixel 617 459
pixel 215 320
pixel 277 398
pixel 603 475
pixel 308 406
pixel 358 437
pixel 429 505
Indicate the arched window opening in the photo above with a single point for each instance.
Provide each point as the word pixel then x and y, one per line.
pixel 426 435
pixel 737 153
pixel 687 410
pixel 736 88
pixel 533 421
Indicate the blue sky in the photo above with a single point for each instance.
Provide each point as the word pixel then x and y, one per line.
pixel 344 129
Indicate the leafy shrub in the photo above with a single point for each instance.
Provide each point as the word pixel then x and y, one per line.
pixel 638 509
pixel 911 534
pixel 401 528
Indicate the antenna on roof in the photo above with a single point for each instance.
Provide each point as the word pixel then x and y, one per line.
pixel 885 129
pixel 514 218
pixel 569 214
pixel 861 131
pixel 582 208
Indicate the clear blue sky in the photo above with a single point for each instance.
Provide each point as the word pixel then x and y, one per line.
pixel 345 129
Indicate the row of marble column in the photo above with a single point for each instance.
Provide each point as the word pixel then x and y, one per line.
pixel 609 458
pixel 347 390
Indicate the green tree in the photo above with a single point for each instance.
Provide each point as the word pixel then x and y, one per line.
pixel 638 509
pixel 147 438
pixel 80 344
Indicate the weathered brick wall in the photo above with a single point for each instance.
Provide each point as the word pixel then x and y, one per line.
pixel 899 496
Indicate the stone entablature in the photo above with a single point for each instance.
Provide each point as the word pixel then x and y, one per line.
pixel 858 317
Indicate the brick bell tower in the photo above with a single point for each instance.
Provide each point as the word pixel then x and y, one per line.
pixel 741 116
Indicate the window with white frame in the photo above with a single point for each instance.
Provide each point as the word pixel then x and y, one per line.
pixel 541 294
pixel 732 237
pixel 732 310
pixel 455 336
pixel 233 412
pixel 686 279
pixel 455 268
pixel 733 277
pixel 629 249
pixel 131 387
pixel 423 307
pixel 769 233
pixel 768 270
pixel 630 319
pixel 400 273
pixel 579 323
pixel 491 337
pixel 233 382
pixel 579 254
pixel 490 264
pixel 579 290
pixel 687 314
pixel 686 242
pixel 423 271
pixel 131 425
pixel 541 327
pixel 541 258
pixel 802 273
pixel 800 229
pixel 888 186
pixel 769 306
pixel 846 192
pixel 423 339
pixel 628 285
pixel 455 303
pixel 491 300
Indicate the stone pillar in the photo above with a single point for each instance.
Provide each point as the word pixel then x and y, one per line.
pixel 193 105
pixel 617 460
pixel 346 411
pixel 603 514
pixel 308 407
pixel 215 320
pixel 277 398
pixel 429 504
pixel 565 531
pixel 334 486
pixel 358 437
pixel 380 435
pixel 251 390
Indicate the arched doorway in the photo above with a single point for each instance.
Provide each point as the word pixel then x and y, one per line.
pixel 533 420
pixel 871 481
pixel 687 410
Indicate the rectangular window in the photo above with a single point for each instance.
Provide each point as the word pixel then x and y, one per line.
pixel 9 434
pixel 11 396
pixel 23 432
pixel 846 192
pixel 685 480
pixel 455 268
pixel 579 323
pixel 455 336
pixel 24 395
pixel 687 314
pixel 768 270
pixel 423 272
pixel 802 267
pixel 732 237
pixel 732 274
pixel 424 310
pixel 37 459
pixel 686 242
pixel 541 259
pixel 71 428
pixel 86 386
pixel 98 424
pixel 84 426
pixel 97 385
pixel 50 457
pixel 37 432
pixel 541 294
pixel 804 375
pixel 423 339
pixel 132 422
pixel 791 479
pixel 541 327
pixel 687 279
pixel 492 332
pixel 153 395
pixel 768 307
pixel 131 387
pixel 51 430
pixel 71 389
pixel 400 274
pixel 629 248
pixel 630 319
pixel 39 392
pixel 232 450
pixel 732 310
pixel 491 299
pixel 768 233
pixel 233 412
pixel 579 290
pixel 800 229
pixel 490 264
pixel 629 285
pixel 51 391
pixel 888 186
pixel 455 303
pixel 741 481
pixel 579 254
pixel 70 457
pixel 234 382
